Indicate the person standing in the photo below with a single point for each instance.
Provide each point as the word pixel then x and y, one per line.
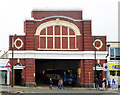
pixel 22 81
pixel 50 82
pixel 109 83
pixel 113 83
pixel 96 83
pixel 103 83
pixel 61 84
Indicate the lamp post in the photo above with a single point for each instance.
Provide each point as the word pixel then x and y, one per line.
pixel 12 57
pixel 95 75
pixel 95 72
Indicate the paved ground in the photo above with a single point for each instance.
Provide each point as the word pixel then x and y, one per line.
pixel 19 90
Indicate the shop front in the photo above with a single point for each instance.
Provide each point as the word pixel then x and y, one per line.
pixel 114 73
pixel 4 72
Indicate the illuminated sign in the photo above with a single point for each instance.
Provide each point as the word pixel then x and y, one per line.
pixel 79 70
pixel 114 66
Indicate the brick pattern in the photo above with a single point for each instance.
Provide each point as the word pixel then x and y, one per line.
pixel 30 70
pixel 16 37
pixel 43 14
pixel 28 29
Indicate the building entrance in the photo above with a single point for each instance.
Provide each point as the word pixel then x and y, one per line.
pixel 18 76
pixel 99 76
pixel 55 69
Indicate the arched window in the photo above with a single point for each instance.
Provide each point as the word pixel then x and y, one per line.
pixel 57 35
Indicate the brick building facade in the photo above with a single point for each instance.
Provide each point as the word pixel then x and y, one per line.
pixel 62 38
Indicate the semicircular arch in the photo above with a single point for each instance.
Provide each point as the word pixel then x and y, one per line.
pixel 59 23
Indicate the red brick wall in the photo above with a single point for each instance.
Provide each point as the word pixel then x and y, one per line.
pixel 43 14
pixel 10 42
pixel 30 70
pixel 29 30
pixel 86 67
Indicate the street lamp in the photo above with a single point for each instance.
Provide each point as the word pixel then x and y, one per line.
pixel 95 72
pixel 12 57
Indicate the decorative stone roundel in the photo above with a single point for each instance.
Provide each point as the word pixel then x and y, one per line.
pixel 98 41
pixel 18 43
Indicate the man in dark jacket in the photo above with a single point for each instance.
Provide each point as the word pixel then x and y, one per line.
pixel 96 81
pixel 50 82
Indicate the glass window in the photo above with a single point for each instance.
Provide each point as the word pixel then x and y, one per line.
pixel 3 77
pixel 112 52
pixel 118 73
pixel 117 52
pixel 112 73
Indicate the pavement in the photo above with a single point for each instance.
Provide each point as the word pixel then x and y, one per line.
pixel 18 90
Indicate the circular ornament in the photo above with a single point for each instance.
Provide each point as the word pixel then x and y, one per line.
pixel 100 44
pixel 18 43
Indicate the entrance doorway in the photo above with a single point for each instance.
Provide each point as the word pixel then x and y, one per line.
pixel 18 76
pixel 99 76
pixel 55 69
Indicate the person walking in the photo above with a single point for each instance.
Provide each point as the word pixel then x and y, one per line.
pixel 113 83
pixel 61 84
pixel 22 81
pixel 50 82
pixel 109 83
pixel 96 81
pixel 103 83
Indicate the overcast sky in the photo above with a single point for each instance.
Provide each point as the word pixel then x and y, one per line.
pixel 103 13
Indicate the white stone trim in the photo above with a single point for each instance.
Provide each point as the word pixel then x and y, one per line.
pixel 53 37
pixel 98 68
pixel 101 44
pixel 75 42
pixel 18 47
pixel 39 41
pixel 58 17
pixel 46 37
pixel 61 37
pixel 68 38
pixel 59 23
pixel 58 54
pixel 18 67
pixel 57 35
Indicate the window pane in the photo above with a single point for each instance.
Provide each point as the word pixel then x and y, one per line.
pixel 117 52
pixel 112 52
pixel 50 42
pixel 42 42
pixel 118 73
pixel 112 73
pixel 72 42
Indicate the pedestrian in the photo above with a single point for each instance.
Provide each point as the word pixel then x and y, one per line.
pixel 96 81
pixel 109 83
pixel 22 81
pixel 50 82
pixel 103 83
pixel 61 84
pixel 113 83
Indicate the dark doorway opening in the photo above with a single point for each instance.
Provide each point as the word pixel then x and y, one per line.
pixel 18 76
pixel 44 67
pixel 99 76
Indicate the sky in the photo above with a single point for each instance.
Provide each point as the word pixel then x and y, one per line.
pixel 102 13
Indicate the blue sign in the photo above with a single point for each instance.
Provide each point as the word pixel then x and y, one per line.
pixel 116 66
pixel 2 66
pixel 106 67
